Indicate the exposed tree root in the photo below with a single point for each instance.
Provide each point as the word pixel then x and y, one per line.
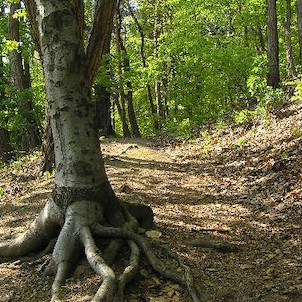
pixel 183 277
pixel 130 271
pixel 82 222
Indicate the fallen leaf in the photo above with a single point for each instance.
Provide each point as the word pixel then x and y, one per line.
pixel 153 234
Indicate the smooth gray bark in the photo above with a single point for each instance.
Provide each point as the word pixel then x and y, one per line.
pixel 77 157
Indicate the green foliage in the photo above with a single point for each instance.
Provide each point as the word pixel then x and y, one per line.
pixel 2 192
pixel 256 81
pixel 9 46
pixel 240 143
pixel 207 58
pixel 243 116
pixel 298 88
pixel 268 100
pixel 297 133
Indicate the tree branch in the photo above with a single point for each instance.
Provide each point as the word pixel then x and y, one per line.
pixel 32 13
pixel 100 32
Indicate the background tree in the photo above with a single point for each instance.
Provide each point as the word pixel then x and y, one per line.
pixel 299 22
pixel 273 78
pixel 288 41
pixel 126 93
pixel 30 130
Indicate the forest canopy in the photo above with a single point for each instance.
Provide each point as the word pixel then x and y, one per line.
pixel 169 68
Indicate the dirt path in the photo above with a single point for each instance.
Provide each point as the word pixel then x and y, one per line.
pixel 240 186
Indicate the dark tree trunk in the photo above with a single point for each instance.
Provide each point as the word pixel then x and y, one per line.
pixel 288 42
pixel 158 84
pixel 48 147
pixel 122 114
pixel 30 132
pixel 2 82
pixel 103 99
pixel 103 109
pixel 126 65
pixel 299 22
pixel 129 98
pixel 273 78
pixel 261 39
pixel 121 106
pixel 6 151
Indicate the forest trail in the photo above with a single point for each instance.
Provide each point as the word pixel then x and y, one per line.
pixel 240 185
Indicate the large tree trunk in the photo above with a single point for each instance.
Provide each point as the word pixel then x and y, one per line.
pixel 273 78
pixel 30 132
pixel 82 205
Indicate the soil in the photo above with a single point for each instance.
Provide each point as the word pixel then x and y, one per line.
pixel 238 186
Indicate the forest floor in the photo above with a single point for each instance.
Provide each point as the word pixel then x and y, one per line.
pixel 240 185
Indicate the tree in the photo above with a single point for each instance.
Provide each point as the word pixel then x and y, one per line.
pixel 82 205
pixel 288 42
pixel 299 21
pixel 127 97
pixel 144 65
pixel 30 131
pixel 103 105
pixel 273 78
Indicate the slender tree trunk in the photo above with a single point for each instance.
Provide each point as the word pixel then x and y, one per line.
pixel 261 39
pixel 30 133
pixel 299 22
pixel 126 65
pixel 121 106
pixel 103 100
pixel 144 64
pixel 121 113
pixel 273 78
pixel 158 84
pixel 131 111
pixel 47 147
pixel 103 109
pixel 6 151
pixel 288 42
pixel 2 82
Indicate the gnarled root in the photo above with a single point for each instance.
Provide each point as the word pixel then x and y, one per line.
pixel 82 221
pixel 184 277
